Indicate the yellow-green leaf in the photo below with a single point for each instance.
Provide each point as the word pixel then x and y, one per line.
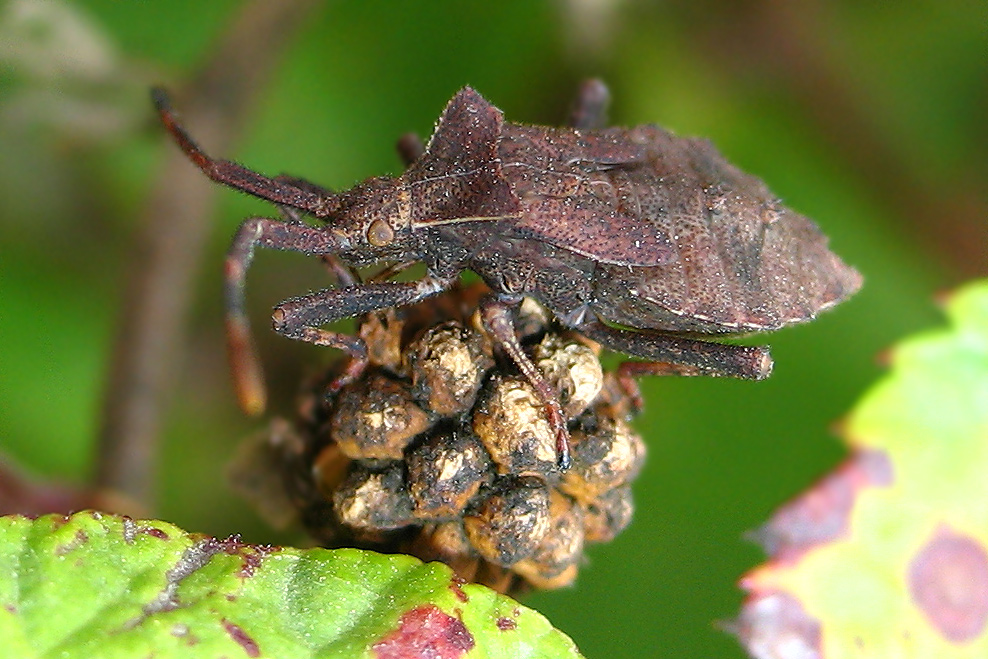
pixel 887 557
pixel 96 585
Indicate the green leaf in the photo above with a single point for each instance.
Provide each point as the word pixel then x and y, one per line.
pixel 886 557
pixel 97 585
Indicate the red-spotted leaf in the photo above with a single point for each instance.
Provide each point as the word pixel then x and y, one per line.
pixel 96 585
pixel 888 556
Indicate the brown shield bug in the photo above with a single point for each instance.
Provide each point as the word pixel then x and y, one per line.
pixel 647 243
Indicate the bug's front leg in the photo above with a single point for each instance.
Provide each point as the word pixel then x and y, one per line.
pixel 497 316
pixel 345 275
pixel 248 378
pixel 300 318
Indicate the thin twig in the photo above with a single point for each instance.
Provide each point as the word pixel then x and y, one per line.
pixel 167 252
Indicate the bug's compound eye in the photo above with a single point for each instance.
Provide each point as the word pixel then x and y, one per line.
pixel 380 233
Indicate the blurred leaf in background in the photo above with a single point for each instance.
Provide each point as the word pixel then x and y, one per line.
pixel 867 117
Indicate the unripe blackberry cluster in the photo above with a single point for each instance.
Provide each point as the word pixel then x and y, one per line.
pixel 442 450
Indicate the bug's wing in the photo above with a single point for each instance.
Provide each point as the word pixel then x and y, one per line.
pixel 458 178
pixel 575 195
pixel 479 168
pixel 743 261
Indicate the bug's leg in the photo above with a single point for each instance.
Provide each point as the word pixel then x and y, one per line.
pixel 497 318
pixel 410 148
pixel 245 366
pixel 345 275
pixel 300 318
pixel 353 346
pixel 628 372
pixel 589 109
pixel 392 270
pixel 673 355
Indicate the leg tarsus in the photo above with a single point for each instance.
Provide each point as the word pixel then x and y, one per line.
pixel 497 318
pixel 353 346
pixel 245 367
pixel 628 383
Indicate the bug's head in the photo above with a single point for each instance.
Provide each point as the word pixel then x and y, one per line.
pixel 368 223
pixel 373 222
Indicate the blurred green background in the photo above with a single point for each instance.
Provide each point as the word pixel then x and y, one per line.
pixel 870 117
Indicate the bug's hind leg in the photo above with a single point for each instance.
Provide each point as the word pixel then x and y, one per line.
pixel 689 356
pixel 674 355
pixel 497 318
pixel 627 375
pixel 589 109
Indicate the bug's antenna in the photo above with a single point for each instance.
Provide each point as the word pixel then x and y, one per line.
pixel 234 175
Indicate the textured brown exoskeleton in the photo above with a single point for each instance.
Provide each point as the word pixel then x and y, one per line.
pixel 645 242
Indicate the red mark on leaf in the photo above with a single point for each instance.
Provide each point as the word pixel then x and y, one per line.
pixel 820 515
pixel 252 556
pixel 506 624
pixel 776 625
pixel 131 529
pixel 237 633
pixel 948 581
pixel 77 541
pixel 426 632
pixel 153 532
pixel 456 585
pixel 59 522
